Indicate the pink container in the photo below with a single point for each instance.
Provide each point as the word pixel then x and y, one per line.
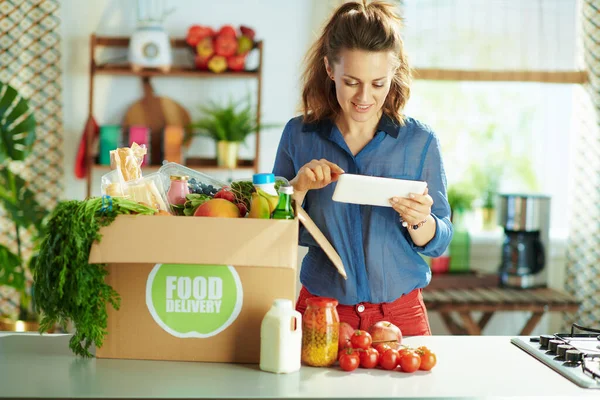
pixel 140 135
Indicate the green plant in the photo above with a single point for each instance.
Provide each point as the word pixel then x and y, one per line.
pixel 17 135
pixel 461 196
pixel 231 122
pixel 68 288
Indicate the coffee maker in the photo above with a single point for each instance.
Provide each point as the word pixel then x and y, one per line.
pixel 526 223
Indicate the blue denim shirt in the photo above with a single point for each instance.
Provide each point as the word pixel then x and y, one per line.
pixel 380 258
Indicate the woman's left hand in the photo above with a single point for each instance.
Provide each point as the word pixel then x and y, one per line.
pixel 414 209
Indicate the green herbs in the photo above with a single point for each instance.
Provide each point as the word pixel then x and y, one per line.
pixel 194 200
pixel 67 287
pixel 243 191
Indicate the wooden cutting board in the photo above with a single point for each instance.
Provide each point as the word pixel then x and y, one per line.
pixel 155 112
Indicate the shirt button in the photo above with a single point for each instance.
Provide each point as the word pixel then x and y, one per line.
pixel 360 308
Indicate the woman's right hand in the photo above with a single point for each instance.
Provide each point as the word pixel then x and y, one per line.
pixel 316 175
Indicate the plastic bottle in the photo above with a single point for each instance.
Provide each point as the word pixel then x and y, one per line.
pixel 266 182
pixel 284 208
pixel 281 338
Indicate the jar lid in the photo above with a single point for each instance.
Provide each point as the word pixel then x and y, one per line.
pixel 179 177
pixel 263 178
pixel 321 302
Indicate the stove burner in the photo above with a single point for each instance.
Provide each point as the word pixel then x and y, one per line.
pixel 574 355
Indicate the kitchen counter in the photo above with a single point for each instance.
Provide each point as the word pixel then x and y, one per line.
pixel 468 367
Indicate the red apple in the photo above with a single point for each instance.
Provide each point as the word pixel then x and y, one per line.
pixel 225 194
pixel 386 332
pixel 346 332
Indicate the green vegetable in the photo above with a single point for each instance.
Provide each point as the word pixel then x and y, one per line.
pixel 243 191
pixel 194 200
pixel 67 287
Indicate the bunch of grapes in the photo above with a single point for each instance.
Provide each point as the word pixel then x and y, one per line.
pixel 201 188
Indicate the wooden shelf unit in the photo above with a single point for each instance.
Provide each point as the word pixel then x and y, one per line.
pixel 112 69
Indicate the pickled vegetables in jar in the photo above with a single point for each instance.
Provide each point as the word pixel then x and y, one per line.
pixel 320 332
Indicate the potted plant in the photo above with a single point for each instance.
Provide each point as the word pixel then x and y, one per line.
pixel 17 135
pixel 228 125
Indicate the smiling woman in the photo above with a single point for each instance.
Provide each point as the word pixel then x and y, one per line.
pixel 356 84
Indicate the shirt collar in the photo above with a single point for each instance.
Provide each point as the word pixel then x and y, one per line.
pixel 386 124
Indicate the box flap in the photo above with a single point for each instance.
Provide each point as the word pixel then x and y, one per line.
pixel 189 240
pixel 316 233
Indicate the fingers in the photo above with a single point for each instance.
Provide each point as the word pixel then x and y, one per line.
pixel 335 169
pixel 319 173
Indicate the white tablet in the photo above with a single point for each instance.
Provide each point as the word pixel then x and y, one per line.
pixel 373 190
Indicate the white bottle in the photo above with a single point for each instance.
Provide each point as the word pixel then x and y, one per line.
pixel 281 338
pixel 266 182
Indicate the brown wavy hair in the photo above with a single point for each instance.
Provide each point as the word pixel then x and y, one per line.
pixel 370 26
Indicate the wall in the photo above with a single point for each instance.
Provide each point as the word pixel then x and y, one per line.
pixel 285 26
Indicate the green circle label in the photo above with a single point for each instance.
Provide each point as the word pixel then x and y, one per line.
pixel 194 300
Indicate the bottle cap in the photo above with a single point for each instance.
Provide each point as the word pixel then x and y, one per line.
pixel 286 189
pixel 284 304
pixel 260 179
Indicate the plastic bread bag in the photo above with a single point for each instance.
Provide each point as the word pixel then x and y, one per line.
pixel 111 185
pixel 127 161
pixel 149 190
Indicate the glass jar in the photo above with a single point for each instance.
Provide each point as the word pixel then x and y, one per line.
pixel 178 190
pixel 320 332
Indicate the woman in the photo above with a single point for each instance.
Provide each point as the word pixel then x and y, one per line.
pixel 356 84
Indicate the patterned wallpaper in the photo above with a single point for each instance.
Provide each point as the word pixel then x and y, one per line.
pixel 30 62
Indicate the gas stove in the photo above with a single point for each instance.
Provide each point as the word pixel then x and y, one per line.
pixel 576 356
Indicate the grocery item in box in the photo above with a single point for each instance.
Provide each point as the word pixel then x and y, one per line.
pixel 149 190
pixel 140 135
pixel 127 161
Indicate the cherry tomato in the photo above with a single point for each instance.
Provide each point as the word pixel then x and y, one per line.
pixel 361 340
pixel 349 360
pixel 381 348
pixel 369 358
pixel 389 359
pixel 423 349
pixel 410 362
pixel 403 351
pixel 428 361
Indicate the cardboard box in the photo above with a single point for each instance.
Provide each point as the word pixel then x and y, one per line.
pixel 196 289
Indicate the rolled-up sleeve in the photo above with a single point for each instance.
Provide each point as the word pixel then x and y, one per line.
pixel 284 165
pixel 433 173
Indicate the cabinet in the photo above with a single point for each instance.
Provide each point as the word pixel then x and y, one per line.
pixel 187 72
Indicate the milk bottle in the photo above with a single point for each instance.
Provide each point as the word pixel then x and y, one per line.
pixel 281 338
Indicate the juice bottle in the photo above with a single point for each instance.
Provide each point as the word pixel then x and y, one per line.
pixel 284 208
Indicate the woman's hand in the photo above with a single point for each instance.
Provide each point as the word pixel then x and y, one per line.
pixel 316 175
pixel 414 209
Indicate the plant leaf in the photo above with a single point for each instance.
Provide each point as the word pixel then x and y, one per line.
pixel 11 271
pixel 17 125
pixel 19 201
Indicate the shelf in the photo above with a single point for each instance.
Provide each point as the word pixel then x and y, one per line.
pixel 202 164
pixel 125 70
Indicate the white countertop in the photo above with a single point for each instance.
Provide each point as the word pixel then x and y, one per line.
pixel 468 367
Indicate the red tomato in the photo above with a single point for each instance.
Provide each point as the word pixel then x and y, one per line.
pixel 361 340
pixel 428 361
pixel 410 362
pixel 423 349
pixel 349 360
pixel 389 359
pixel 382 348
pixel 369 358
pixel 403 351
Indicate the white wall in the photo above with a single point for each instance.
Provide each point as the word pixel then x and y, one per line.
pixel 286 27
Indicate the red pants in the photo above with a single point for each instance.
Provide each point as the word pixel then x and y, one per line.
pixel 408 313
